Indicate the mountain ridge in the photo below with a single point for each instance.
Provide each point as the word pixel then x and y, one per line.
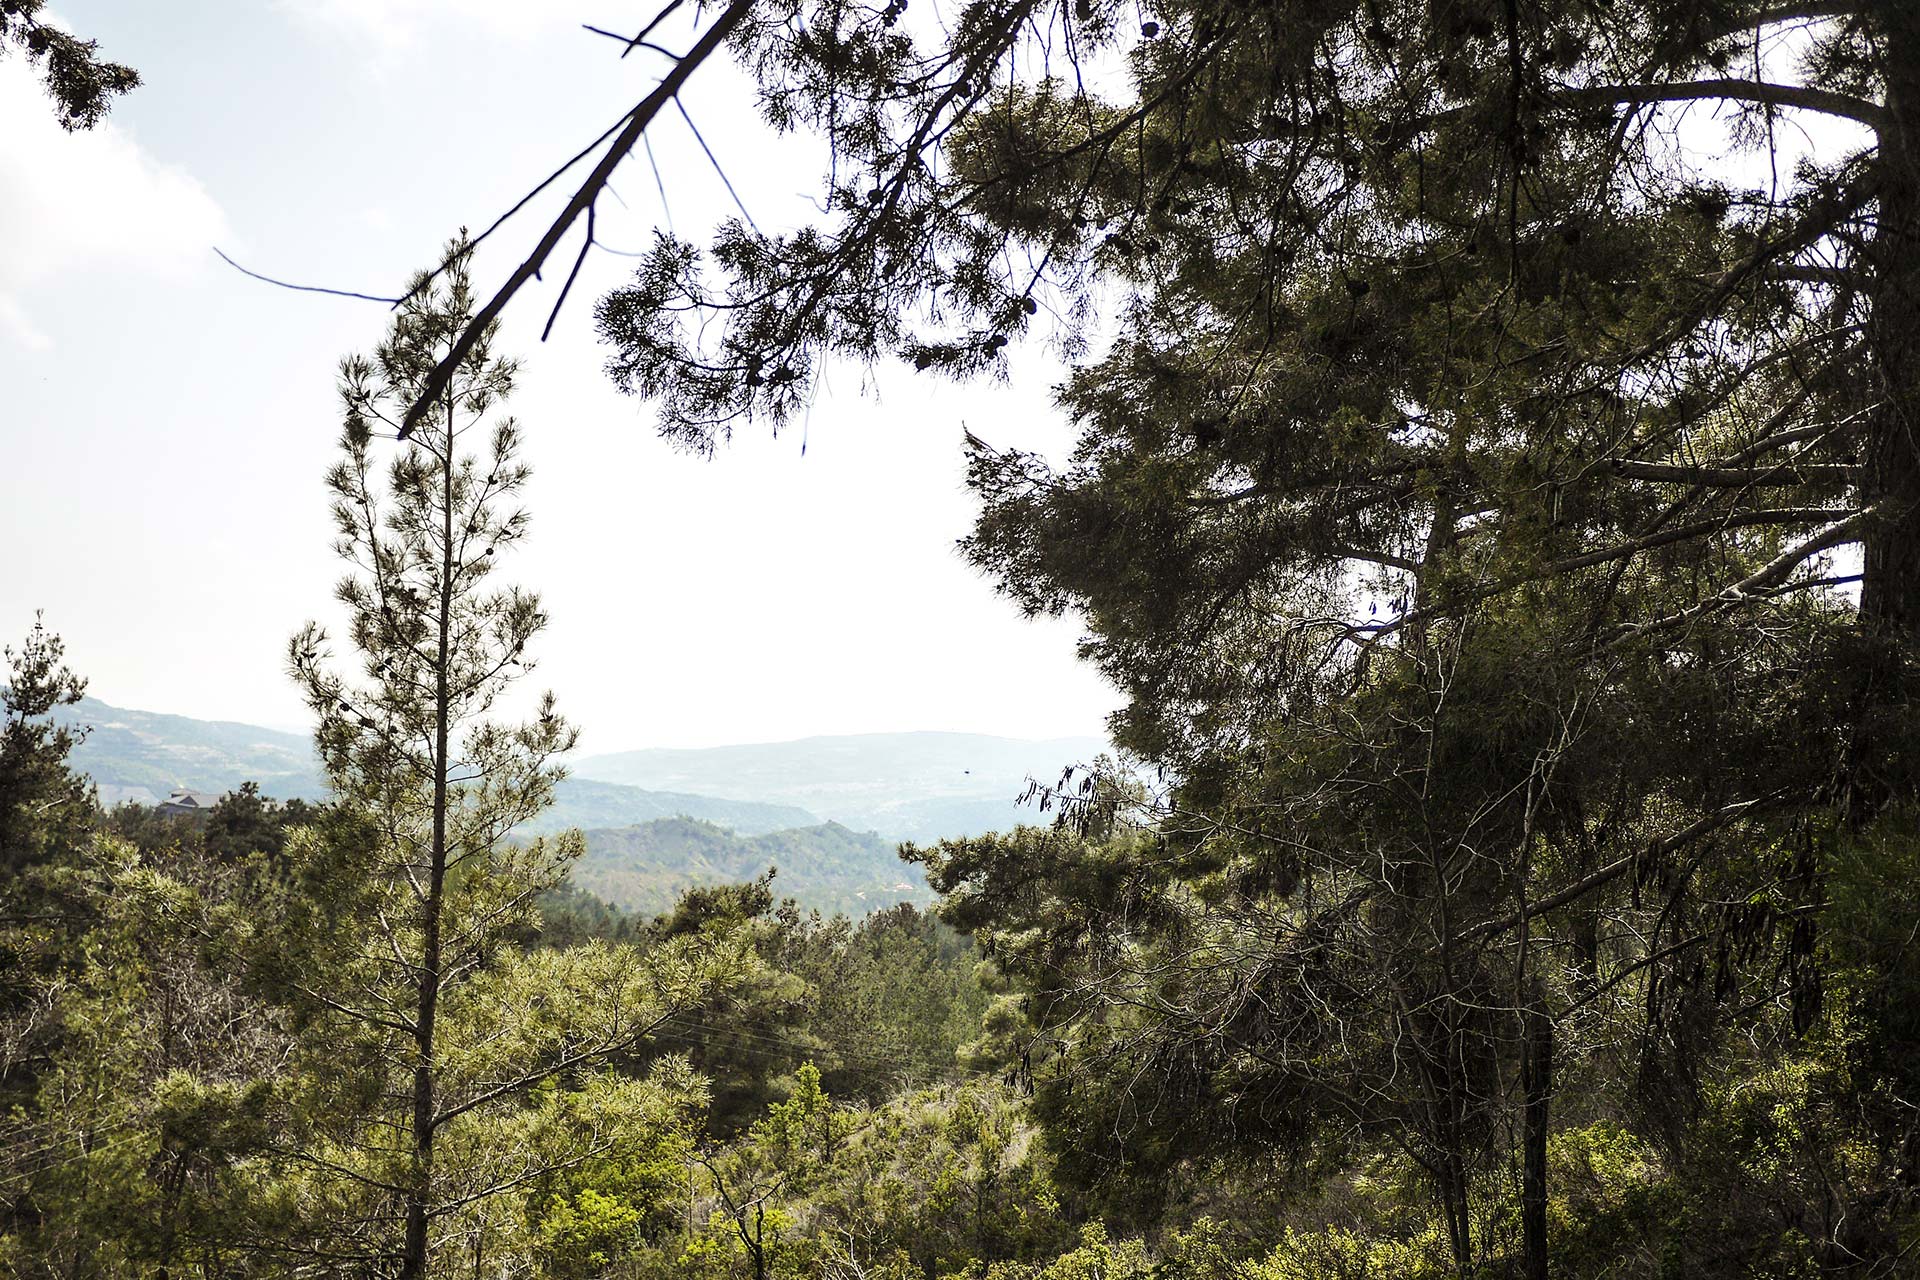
pixel 919 785
pixel 141 756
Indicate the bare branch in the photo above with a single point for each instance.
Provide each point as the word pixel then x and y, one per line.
pixel 583 199
pixel 1699 529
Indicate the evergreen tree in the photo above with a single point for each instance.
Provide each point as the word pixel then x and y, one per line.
pixel 1438 276
pixel 46 813
pixel 152 1098
pixel 1442 258
pixel 1467 505
pixel 422 1024
pixel 44 806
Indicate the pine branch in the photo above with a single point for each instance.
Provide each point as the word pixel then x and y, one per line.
pixel 1614 870
pixel 1736 477
pixel 1698 529
pixel 600 1049
pixel 1824 101
pixel 582 200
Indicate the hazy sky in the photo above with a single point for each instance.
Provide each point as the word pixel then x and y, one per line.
pixel 167 421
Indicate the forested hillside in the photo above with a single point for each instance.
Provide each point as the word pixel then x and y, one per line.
pixel 906 786
pixel 144 755
pixel 582 802
pixel 828 868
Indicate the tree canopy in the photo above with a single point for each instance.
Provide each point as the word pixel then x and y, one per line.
pixel 81 83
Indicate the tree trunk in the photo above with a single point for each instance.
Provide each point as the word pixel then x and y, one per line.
pixel 1536 1085
pixel 413 1263
pixel 1445 1087
pixel 1890 587
pixel 1454 1203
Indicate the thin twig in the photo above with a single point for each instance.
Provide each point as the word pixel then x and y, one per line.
pixel 714 161
pixel 567 288
pixel 583 199
pixel 645 31
pixel 305 288
pixel 633 43
pixel 666 210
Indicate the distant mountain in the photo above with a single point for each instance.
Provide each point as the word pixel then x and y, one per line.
pixel 141 756
pixel 658 822
pixel 906 786
pixel 645 868
pixel 585 803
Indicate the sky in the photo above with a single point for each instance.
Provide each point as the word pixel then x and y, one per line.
pixel 166 421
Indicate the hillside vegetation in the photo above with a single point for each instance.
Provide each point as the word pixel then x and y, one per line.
pixel 144 755
pixel 905 786
pixel 829 868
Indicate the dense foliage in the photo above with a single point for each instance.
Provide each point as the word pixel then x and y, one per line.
pixel 1501 512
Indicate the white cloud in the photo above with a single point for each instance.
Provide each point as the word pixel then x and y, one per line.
pixel 392 25
pixel 15 324
pixel 84 201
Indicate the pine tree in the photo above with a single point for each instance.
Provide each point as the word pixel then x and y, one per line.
pixel 1468 505
pixel 44 805
pixel 407 746
pixel 1442 274
pixel 425 1024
